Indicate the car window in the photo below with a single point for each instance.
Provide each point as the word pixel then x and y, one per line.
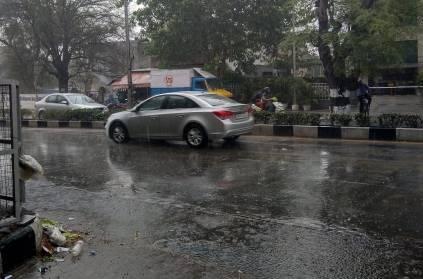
pixel 152 104
pixel 216 100
pixel 180 102
pixel 80 99
pixel 60 99
pixel 51 99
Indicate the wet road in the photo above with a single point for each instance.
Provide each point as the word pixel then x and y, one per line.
pixel 263 208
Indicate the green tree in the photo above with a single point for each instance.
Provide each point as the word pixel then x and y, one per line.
pixel 212 31
pixel 61 34
pixel 353 37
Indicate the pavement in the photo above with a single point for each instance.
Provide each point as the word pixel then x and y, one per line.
pixel 260 208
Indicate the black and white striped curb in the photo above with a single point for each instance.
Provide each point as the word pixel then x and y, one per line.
pixel 63 124
pixel 323 132
pixel 347 133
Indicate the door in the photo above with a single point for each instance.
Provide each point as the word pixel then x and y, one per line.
pixel 146 121
pixel 176 110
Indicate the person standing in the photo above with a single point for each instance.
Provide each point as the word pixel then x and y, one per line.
pixel 364 96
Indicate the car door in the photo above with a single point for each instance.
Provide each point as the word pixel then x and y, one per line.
pixel 176 111
pixel 50 103
pixel 146 120
pixel 62 103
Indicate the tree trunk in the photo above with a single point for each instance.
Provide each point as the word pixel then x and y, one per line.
pixel 339 102
pixel 63 80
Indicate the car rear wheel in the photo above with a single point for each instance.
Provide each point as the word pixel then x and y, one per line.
pixel 118 133
pixel 196 136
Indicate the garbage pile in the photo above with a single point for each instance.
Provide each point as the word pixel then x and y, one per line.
pixel 57 243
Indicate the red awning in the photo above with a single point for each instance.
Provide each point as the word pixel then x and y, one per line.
pixel 139 79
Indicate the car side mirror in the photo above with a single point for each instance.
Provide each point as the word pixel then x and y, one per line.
pixel 64 102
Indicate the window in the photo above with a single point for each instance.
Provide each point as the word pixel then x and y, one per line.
pixel 60 99
pixel 201 84
pixel 179 102
pixel 152 104
pixel 51 99
pixel 80 99
pixel 216 100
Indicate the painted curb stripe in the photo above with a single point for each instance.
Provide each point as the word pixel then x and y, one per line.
pixel 382 134
pixel 330 132
pixel 63 124
pixel 283 131
pixel 86 124
pixel 42 124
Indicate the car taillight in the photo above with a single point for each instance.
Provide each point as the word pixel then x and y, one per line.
pixel 223 114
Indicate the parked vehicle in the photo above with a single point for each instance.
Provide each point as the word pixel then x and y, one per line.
pixel 195 117
pixel 66 101
pixel 160 81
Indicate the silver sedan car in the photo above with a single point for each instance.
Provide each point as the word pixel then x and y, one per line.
pixel 194 117
pixel 66 101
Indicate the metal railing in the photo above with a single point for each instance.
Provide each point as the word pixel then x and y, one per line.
pixel 10 148
pixel 321 91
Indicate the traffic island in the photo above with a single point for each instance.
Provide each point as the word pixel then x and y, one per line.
pixel 63 124
pixel 299 131
pixel 346 133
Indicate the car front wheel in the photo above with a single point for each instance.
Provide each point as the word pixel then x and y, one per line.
pixel 196 136
pixel 118 133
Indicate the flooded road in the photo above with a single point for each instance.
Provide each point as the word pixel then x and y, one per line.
pixel 261 208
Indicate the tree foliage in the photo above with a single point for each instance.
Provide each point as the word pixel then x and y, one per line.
pixel 355 37
pixel 213 31
pixel 64 36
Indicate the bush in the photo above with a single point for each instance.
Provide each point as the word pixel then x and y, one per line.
pixel 25 113
pixel 262 116
pixel 75 115
pixel 394 120
pixel 297 118
pixel 341 119
pixel 412 121
pixel 362 120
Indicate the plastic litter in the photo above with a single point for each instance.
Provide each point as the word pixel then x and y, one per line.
pixel 93 253
pixel 76 250
pixel 59 260
pixel 55 236
pixel 62 249
pixel 43 270
pixel 8 277
pixel 71 218
pixel 29 167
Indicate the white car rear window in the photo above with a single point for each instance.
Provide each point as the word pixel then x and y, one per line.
pixel 216 100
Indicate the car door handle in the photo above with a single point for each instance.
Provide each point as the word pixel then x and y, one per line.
pixel 154 117
pixel 180 116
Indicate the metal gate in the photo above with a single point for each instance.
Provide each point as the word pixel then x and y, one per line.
pixel 10 147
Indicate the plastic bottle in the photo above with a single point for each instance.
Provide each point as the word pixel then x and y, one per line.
pixel 76 250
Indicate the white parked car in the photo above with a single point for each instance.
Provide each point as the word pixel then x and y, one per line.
pixel 66 101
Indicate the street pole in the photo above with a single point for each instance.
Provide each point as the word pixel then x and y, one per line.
pixel 294 69
pixel 294 63
pixel 128 43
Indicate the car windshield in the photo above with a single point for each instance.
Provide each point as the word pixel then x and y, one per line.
pixel 80 99
pixel 216 100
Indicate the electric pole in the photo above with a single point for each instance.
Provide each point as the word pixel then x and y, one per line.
pixel 128 43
